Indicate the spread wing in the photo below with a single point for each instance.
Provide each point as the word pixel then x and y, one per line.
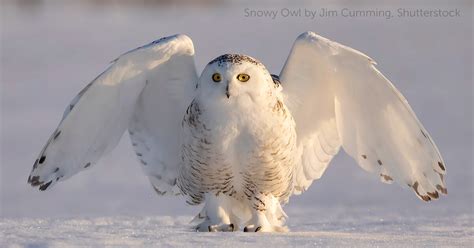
pixel 338 98
pixel 146 91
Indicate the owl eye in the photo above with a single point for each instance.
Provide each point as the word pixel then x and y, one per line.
pixel 216 77
pixel 243 77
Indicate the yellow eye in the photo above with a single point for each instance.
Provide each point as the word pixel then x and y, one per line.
pixel 216 77
pixel 243 77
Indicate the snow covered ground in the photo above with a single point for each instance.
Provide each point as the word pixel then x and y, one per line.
pixel 310 228
pixel 51 49
pixel 330 228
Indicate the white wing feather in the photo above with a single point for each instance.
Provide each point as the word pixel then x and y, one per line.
pixel 338 97
pixel 155 128
pixel 96 119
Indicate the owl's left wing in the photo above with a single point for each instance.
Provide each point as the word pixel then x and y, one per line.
pixel 146 91
pixel 338 98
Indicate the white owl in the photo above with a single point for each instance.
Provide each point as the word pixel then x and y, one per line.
pixel 237 140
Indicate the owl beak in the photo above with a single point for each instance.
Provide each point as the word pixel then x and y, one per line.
pixel 227 91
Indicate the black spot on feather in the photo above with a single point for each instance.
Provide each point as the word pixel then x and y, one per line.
pixel 386 177
pixel 42 159
pixel 441 189
pixel 276 79
pixel 434 195
pixel 35 164
pixel 423 133
pixel 159 191
pixel 56 135
pixel 441 166
pixel 45 186
pixel 34 181
pixel 423 197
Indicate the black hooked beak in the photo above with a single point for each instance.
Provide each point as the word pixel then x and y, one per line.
pixel 227 91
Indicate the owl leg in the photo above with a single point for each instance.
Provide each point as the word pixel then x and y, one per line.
pixel 267 215
pixel 215 215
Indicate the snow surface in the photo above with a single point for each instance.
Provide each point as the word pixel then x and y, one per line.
pixel 317 227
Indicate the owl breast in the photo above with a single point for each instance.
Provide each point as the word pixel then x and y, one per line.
pixel 237 153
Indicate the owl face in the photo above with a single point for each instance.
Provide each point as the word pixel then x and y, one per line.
pixel 235 78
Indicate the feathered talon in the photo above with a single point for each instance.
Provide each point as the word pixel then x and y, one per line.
pixel 247 229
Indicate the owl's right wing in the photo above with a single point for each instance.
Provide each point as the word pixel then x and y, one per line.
pixel 145 90
pixel 339 98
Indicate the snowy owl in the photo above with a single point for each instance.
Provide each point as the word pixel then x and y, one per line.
pixel 237 139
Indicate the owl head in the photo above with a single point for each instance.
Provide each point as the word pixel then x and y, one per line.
pixel 236 78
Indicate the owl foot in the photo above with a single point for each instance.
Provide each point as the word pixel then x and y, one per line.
pixel 254 228
pixel 223 228
pixel 271 219
pixel 251 228
pixel 205 227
